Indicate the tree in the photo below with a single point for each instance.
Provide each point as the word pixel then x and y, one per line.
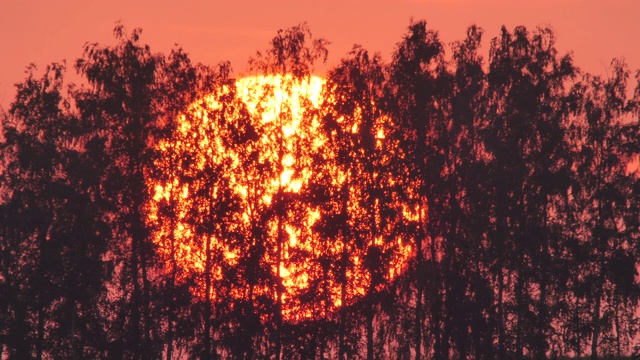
pixel 363 195
pixel 291 57
pixel 122 106
pixel 53 232
pixel 181 84
pixel 415 95
pixel 605 237
pixel 526 89
pixel 465 184
pixel 32 157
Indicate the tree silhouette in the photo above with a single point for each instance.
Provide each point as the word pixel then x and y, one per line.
pixel 437 206
pixel 415 93
pixel 356 129
pixel 121 104
pixel 53 233
pixel 526 81
pixel 181 84
pixel 603 243
pixel 291 56
pixel 465 185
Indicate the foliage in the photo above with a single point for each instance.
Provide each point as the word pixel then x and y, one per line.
pixel 441 205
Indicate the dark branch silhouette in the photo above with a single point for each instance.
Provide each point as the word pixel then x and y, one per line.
pixel 441 205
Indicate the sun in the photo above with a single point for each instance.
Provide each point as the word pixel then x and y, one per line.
pixel 242 158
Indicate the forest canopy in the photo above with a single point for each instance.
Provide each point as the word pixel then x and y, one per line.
pixel 442 204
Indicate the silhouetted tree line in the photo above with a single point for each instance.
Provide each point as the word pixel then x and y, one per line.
pixel 514 181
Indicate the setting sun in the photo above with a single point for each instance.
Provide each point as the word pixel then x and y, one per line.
pixel 285 112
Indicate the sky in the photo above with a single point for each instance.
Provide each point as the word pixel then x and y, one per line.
pixel 48 31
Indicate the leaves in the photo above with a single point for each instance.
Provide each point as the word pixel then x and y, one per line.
pixel 439 205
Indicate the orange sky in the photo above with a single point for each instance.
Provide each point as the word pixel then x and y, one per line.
pixel 214 31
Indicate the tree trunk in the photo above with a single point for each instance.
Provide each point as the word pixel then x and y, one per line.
pixel 135 301
pixel 40 331
pixel 542 321
pixel 343 279
pixel 280 208
pixel 343 303
pixel 146 299
pixel 279 289
pixel 207 303
pixel 436 308
pixel 419 288
pixel 501 336
pixel 369 315
pixel 135 193
pixel 40 291
pixel 418 313
pixel 174 269
pixel 596 312
pixel 519 310
pixel 172 309
pixel 541 340
pixel 596 327
pixel 618 330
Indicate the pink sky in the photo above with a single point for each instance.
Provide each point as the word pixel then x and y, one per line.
pixel 211 31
